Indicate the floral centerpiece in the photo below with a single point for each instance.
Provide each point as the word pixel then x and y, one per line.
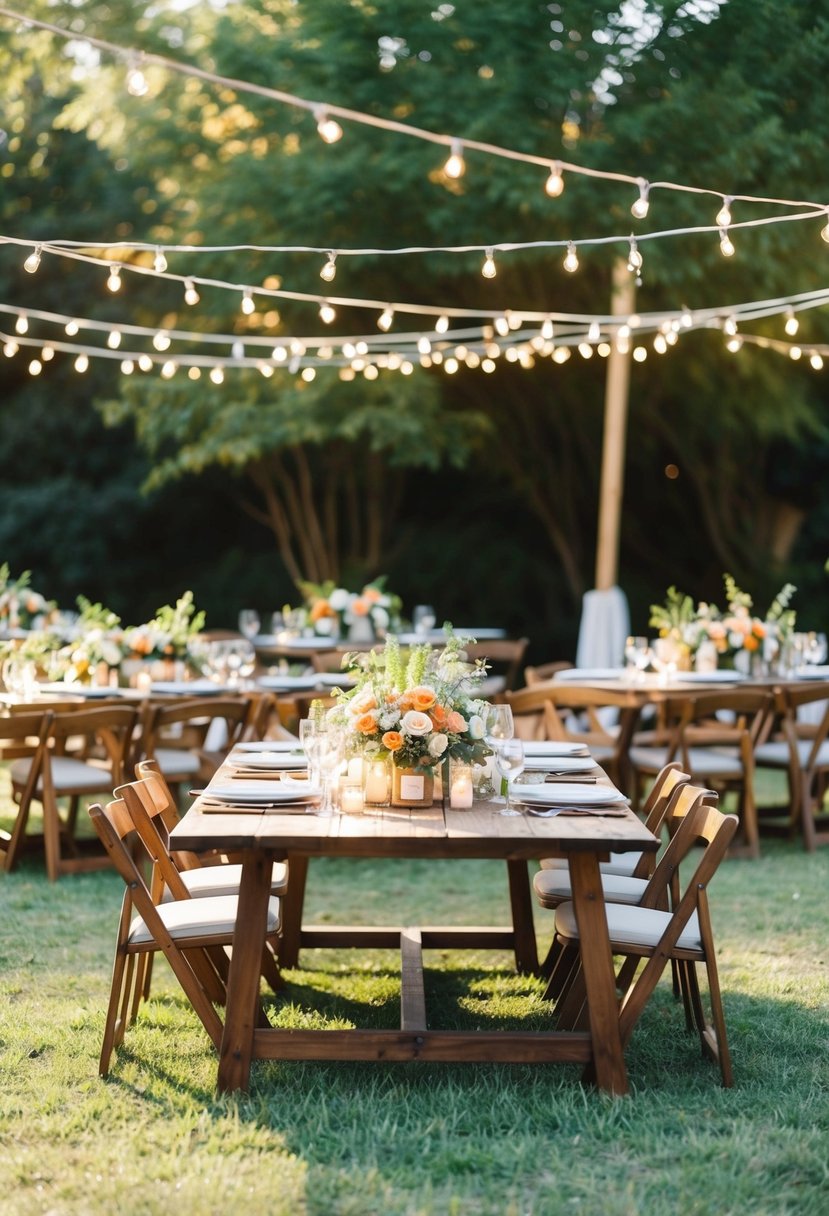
pixel 169 635
pixel 96 643
pixel 21 607
pixel 416 708
pixel 334 612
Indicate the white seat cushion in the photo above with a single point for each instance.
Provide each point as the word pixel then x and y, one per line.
pixel 620 863
pixel 703 761
pixel 67 774
pixel 225 880
pixel 777 754
pixel 211 917
pixel 553 886
pixel 630 926
pixel 173 761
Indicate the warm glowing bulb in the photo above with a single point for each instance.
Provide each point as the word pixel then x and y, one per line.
pixel 161 340
pixel 191 296
pixel 159 261
pixel 266 370
pixel 33 260
pixel 136 82
pixel 217 375
pixel 279 354
pixel 194 373
pixel 729 325
pixel 10 349
pixel 795 352
pixel 724 213
pixel 455 165
pixel 792 324
pixel 640 353
pixel 114 280
pixel 585 350
pixel 329 129
pixel 441 325
pixel 47 353
pixel 127 367
pixel 168 369
pixel 248 306
pixel 384 321
pixel 308 374
pixel 424 346
pixel 554 184
pixel 561 354
pixel 21 325
pixel 571 261
pixel 734 344
pixel 114 339
pixel 816 361
pixel 824 232
pixel 501 326
pixel 81 363
pixel 145 363
pixel 450 365
pixel 634 257
pixel 547 330
pixel 329 269
pixel 594 332
pixel 35 367
pixel 641 205
pixel 726 244
pixel 488 269
pixel 327 314
pixel 660 344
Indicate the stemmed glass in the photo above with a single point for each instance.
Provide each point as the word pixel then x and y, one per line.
pixel 499 725
pixel 330 758
pixel 814 648
pixel 509 760
pixel 249 623
pixel 423 618
pixel 637 656
pixel 311 737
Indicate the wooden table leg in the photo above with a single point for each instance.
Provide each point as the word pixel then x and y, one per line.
pixel 242 1013
pixel 292 905
pixel 526 949
pixel 598 973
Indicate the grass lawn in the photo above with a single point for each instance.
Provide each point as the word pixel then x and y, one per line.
pixel 414 1139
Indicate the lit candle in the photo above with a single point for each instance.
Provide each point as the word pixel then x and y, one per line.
pixel 377 783
pixel 355 769
pixel 351 799
pixel 143 681
pixel 460 791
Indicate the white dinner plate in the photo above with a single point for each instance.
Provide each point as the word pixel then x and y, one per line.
pixel 288 683
pixel 811 673
pixel 577 674
pixel 566 794
pixel 719 675
pixel 198 688
pixel 254 792
pixel 272 761
pixel 558 764
pixel 271 745
pixel 553 747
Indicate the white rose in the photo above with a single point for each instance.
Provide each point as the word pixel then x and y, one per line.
pixel 339 599
pixel 476 727
pixel 111 653
pixel 438 745
pixel 415 724
pixel 389 719
pixel 380 616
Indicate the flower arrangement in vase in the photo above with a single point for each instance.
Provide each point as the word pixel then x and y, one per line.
pixel 362 616
pixel 167 638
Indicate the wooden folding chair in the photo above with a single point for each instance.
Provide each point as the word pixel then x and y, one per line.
pixel 102 742
pixel 22 737
pixel 801 749
pixel 665 926
pixel 504 657
pixel 543 672
pixel 191 933
pixel 178 735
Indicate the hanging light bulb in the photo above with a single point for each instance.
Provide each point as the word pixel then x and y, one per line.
pixel 571 260
pixel 21 325
pixel 594 332
pixel 265 369
pixel 729 326
pixel 424 346
pixel 327 313
pixel 191 295
pixel 308 374
pixel 127 367
pixel 455 166
pixel 248 306
pixel 217 375
pixel 168 369
pixel 792 324
pixel 237 350
pixel 554 184
pixel 330 268
pixel 47 353
pixel 634 257
pixel 660 344
pixel 733 344
pixel 724 213
pixel 33 260
pixel 81 363
pixel 501 326
pixel 10 349
pixel 726 244
pixel 547 330
pixel 114 339
pixel 145 363
pixel 159 261
pixel 488 270
pixel 161 340
pixel 385 320
pixel 71 328
pixel 114 280
pixel 194 373
pixel 816 361
pixel 441 325
pixel 641 205
pixel 328 128
pixel 136 80
pixel 35 367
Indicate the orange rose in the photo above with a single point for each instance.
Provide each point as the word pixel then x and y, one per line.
pixel 363 703
pixel 455 722
pixel 407 701
pixel 423 698
pixel 392 740
pixel 438 716
pixel 366 724
pixel 751 643
pixel 759 629
pixel 372 595
pixel 320 609
pixel 360 607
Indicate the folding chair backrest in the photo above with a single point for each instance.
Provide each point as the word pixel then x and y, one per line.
pixel 788 701
pixel 689 825
pixel 151 812
pixel 109 727
pixel 504 656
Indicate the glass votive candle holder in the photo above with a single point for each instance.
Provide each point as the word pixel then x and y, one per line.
pixel 351 798
pixel 376 782
pixel 461 791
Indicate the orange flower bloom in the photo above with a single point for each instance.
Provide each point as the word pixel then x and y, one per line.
pixel 320 609
pixel 366 724
pixel 751 642
pixel 438 715
pixel 392 740
pixel 759 629
pixel 455 722
pixel 360 607
pixel 423 698
pixel 406 701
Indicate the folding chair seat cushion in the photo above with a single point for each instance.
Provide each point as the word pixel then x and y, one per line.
pixel 703 761
pixel 632 926
pixel 67 774
pixel 224 880
pixel 622 864
pixel 176 761
pixel 553 887
pixel 186 918
pixel 777 753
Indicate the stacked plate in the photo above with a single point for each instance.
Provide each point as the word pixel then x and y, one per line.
pixel 571 799
pixel 262 795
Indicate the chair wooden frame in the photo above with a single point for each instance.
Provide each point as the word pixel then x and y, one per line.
pixel 22 736
pixel 508 653
pixel 702 824
pixel 196 714
pixel 808 765
pixel 110 728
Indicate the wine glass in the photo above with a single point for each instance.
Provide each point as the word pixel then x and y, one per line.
pixel 814 648
pixel 637 656
pixel 311 737
pixel 249 623
pixel 499 725
pixel 509 760
pixel 423 618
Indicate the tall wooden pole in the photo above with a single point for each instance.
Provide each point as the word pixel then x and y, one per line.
pixel 622 303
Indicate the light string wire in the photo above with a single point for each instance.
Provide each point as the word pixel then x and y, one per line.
pixel 358 117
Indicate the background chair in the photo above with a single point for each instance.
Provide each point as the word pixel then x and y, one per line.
pixel 504 657
pixel 191 933
pixel 102 741
pixel 800 748
pixel 22 737
pixel 545 671
pixel 190 739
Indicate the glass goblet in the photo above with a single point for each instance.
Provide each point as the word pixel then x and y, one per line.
pixel 509 760
pixel 499 725
pixel 249 623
